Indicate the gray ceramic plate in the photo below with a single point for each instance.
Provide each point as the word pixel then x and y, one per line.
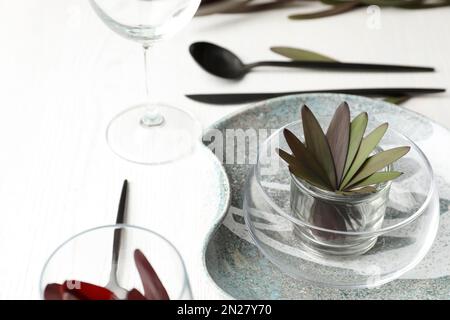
pixel 234 262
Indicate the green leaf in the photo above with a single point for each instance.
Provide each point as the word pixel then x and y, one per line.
pixel 368 189
pixel 338 138
pixel 333 2
pixel 378 162
pixel 376 178
pixel 258 7
pixel 302 155
pixel 317 144
pixel 385 3
pixel 301 54
pixel 219 7
pixel 424 4
pixel 298 169
pixel 357 129
pixel 367 145
pixel 337 9
pixel 397 100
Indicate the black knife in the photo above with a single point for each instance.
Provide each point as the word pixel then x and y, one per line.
pixel 236 98
pixel 113 283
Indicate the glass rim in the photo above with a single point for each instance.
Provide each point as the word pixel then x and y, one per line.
pixel 185 287
pixel 404 222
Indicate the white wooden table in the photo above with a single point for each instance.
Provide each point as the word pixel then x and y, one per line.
pixel 63 75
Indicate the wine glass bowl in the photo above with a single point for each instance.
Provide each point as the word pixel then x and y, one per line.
pixel 86 257
pixel 145 21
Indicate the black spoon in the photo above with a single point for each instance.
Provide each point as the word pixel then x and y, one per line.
pixel 225 64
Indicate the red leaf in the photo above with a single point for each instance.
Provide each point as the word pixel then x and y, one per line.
pixel 87 291
pixel 134 294
pixel 327 216
pixel 69 296
pixel 153 288
pixel 338 136
pixel 317 143
pixel 53 291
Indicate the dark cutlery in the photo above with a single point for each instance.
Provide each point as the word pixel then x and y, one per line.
pixel 225 64
pixel 236 98
pixel 113 283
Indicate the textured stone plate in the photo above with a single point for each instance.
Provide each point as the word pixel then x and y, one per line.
pixel 234 262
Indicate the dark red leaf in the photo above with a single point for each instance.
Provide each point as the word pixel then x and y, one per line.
pixel 327 216
pixel 298 168
pixel 134 294
pixel 153 288
pixel 301 154
pixel 87 291
pixel 53 291
pixel 338 135
pixel 317 144
pixel 69 296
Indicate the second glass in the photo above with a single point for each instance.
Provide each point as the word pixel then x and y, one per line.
pixel 87 258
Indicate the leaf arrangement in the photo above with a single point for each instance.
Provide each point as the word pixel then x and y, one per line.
pixel 153 288
pixel 342 159
pixel 334 7
pixel 342 6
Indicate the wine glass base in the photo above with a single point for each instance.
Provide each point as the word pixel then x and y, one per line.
pixel 163 140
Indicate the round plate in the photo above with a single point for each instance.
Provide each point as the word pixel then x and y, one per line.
pixel 235 263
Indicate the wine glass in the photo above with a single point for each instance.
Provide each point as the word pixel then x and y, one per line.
pixel 151 132
pixel 86 258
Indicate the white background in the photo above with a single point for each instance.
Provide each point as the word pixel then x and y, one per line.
pixel 64 75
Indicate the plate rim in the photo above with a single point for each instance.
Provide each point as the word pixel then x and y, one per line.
pixel 218 221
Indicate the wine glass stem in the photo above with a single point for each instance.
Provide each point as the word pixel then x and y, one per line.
pixel 151 117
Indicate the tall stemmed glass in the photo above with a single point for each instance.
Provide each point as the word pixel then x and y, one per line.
pixel 151 132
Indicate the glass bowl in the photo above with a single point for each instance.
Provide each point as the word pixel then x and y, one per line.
pixel 357 257
pixel 87 257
